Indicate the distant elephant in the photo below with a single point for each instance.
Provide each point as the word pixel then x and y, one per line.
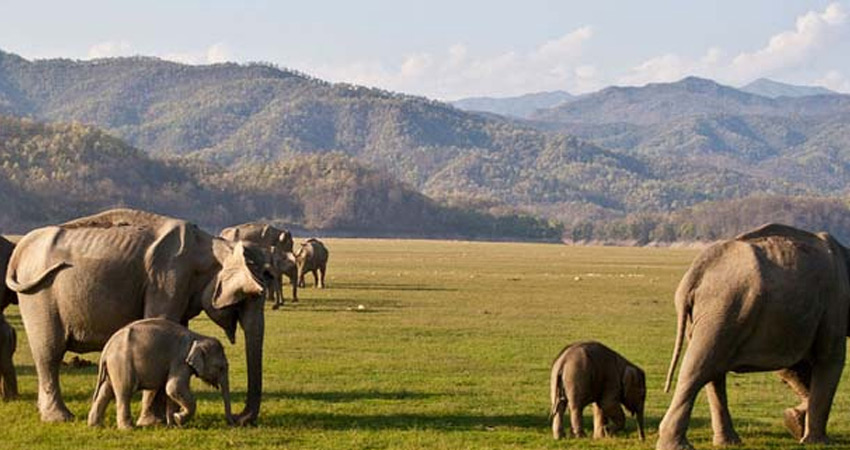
pixel 154 354
pixel 276 245
pixel 312 256
pixel 589 372
pixel 772 298
pixel 79 282
pixel 8 337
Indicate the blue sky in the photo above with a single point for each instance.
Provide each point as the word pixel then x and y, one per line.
pixel 451 49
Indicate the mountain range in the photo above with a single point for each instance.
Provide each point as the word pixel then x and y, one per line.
pixel 774 89
pixel 523 106
pixel 619 151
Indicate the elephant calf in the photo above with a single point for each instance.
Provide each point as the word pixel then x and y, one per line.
pixel 150 354
pixel 589 372
pixel 312 257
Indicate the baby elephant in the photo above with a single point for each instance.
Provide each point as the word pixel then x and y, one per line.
pixel 150 354
pixel 312 257
pixel 589 372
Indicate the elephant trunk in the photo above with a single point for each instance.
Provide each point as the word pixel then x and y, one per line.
pixel 253 324
pixel 225 395
pixel 640 424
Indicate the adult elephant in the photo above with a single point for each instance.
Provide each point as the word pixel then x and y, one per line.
pixel 8 338
pixel 276 245
pixel 775 298
pixel 81 281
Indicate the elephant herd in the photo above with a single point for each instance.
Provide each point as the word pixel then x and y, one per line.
pixel 137 265
pixel 773 299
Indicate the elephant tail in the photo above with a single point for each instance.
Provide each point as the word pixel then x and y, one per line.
pixel 684 300
pixel 101 377
pixel 557 394
pixel 30 286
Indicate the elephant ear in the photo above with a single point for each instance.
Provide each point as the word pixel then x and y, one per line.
pixel 196 357
pixel 239 277
pixel 634 388
pixel 285 241
pixel 164 264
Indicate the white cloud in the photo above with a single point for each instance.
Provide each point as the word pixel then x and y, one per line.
pixel 219 53
pixel 216 53
pixel 791 47
pixel 110 49
pixel 834 80
pixel 554 64
pixel 789 50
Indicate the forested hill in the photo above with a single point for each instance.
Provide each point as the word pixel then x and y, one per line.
pixel 692 96
pixel 50 173
pixel 655 149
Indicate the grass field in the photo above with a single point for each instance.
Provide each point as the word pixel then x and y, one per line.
pixel 451 350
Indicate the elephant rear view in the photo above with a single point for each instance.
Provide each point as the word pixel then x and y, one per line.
pixel 312 256
pixel 775 298
pixel 589 372
pixel 81 281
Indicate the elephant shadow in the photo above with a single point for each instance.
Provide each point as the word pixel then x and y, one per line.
pixel 404 421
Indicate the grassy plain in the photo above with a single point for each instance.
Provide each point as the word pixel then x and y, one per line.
pixel 451 350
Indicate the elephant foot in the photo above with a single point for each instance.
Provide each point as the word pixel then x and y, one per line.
pixel 795 422
pixel 275 306
pixel 822 440
pixel 178 419
pixel 673 444
pixel 245 418
pixel 149 419
pixel 726 440
pixel 57 415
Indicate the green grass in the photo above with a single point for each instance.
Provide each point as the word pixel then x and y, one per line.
pixel 451 350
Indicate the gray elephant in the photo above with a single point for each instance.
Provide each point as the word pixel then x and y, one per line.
pixel 154 354
pixel 312 256
pixel 276 245
pixel 8 337
pixel 589 372
pixel 81 281
pixel 773 298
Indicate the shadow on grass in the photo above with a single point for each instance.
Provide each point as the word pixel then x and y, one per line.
pixel 391 287
pixel 404 421
pixel 342 304
pixel 351 396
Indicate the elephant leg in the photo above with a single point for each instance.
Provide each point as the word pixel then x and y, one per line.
pixel 721 420
pixel 575 419
pixel 47 343
pixel 316 278
pixel 322 276
pixel 178 390
pixel 294 283
pixel 598 422
pixel 123 395
pixel 697 369
pixel 153 408
pixel 615 420
pixel 105 394
pixel 798 378
pixel 277 293
pixel 558 420
pixel 8 342
pixel 825 377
